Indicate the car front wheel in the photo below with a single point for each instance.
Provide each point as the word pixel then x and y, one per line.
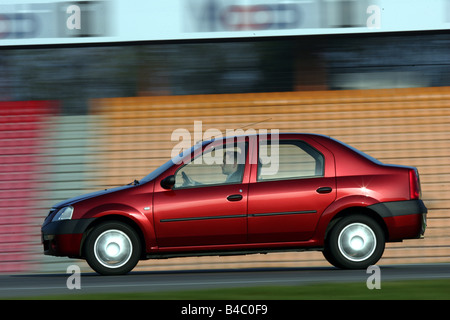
pixel 112 248
pixel 355 242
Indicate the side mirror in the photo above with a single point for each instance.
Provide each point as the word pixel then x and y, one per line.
pixel 168 182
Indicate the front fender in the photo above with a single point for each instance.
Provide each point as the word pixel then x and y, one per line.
pixel 124 212
pixel 105 209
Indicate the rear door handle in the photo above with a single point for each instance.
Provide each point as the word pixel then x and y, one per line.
pixel 234 197
pixel 324 190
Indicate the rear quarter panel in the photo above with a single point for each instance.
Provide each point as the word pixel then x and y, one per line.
pixel 356 175
pixel 361 182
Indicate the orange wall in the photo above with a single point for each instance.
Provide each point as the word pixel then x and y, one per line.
pixel 402 126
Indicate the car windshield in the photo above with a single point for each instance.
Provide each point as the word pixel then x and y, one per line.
pixel 175 160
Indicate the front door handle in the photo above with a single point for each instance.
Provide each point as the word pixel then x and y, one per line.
pixel 234 197
pixel 324 190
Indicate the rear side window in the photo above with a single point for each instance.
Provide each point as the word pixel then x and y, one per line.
pixel 289 159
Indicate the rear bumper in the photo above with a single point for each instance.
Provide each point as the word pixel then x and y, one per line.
pixel 399 208
pixel 63 238
pixel 404 219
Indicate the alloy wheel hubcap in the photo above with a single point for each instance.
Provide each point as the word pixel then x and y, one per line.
pixel 113 248
pixel 357 242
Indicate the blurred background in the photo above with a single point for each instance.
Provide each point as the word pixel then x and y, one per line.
pixel 78 118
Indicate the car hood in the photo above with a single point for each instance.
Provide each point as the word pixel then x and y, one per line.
pixel 82 197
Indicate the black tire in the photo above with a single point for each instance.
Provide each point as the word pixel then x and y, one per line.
pixel 112 248
pixel 355 242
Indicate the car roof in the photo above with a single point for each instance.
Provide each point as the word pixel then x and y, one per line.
pixel 268 134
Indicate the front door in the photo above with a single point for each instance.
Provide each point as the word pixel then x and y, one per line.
pixel 208 204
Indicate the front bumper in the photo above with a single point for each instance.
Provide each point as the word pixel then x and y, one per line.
pixel 63 238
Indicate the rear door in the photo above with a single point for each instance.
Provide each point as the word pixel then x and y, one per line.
pixel 286 200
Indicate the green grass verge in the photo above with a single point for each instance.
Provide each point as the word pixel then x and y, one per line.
pixel 399 290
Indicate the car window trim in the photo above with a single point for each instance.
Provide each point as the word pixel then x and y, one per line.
pixel 193 157
pixel 294 178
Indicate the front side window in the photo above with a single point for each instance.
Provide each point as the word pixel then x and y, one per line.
pixel 289 159
pixel 223 164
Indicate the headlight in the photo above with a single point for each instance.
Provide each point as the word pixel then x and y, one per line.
pixel 63 214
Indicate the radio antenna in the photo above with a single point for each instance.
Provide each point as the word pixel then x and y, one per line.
pixel 251 124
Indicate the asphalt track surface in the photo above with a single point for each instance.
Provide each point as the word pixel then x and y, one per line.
pixel 27 285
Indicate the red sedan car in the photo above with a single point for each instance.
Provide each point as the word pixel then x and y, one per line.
pixel 242 195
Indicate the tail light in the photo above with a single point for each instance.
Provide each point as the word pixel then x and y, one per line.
pixel 414 184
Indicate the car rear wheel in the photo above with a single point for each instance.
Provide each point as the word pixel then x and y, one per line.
pixel 355 242
pixel 112 248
